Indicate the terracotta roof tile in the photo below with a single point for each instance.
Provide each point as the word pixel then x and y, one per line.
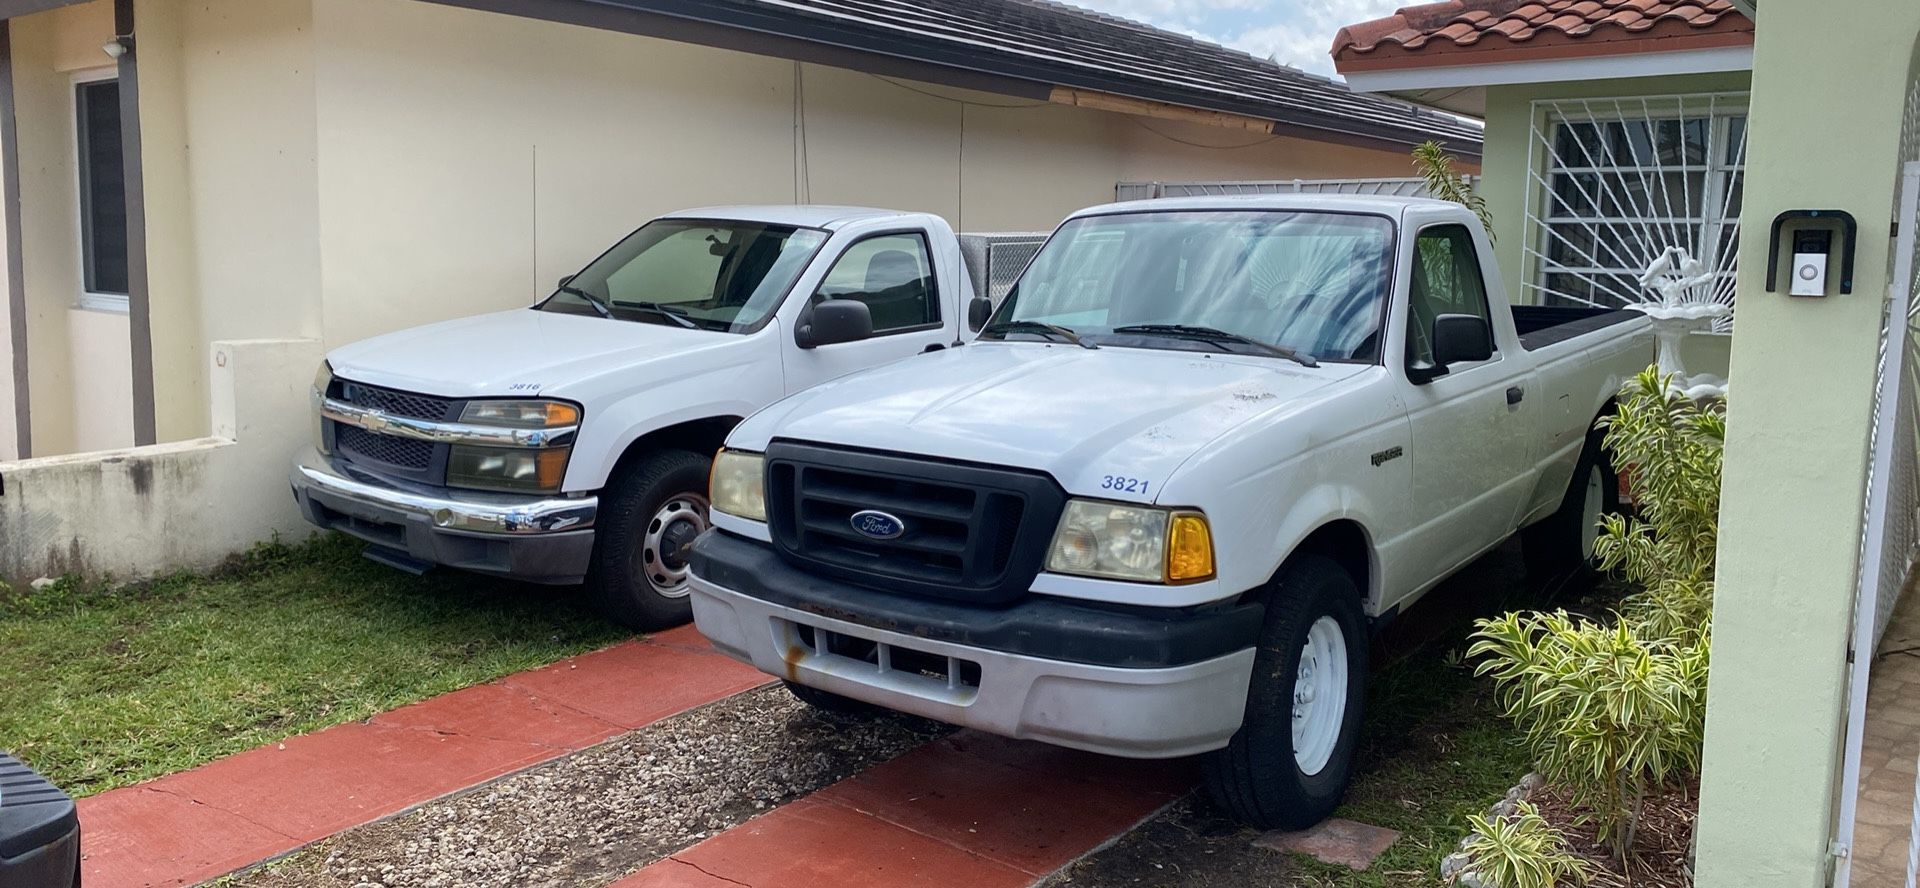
pixel 1454 25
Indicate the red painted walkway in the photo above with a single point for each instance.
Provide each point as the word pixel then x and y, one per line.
pixel 187 827
pixel 971 810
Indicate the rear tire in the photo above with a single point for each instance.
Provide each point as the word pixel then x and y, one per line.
pixel 1561 545
pixel 1290 763
pixel 648 516
pixel 828 701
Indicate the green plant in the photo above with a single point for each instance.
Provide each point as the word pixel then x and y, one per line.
pixel 1521 851
pixel 1673 448
pixel 1435 167
pixel 1606 713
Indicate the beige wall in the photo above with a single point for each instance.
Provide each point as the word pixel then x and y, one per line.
pixel 467 160
pixel 102 374
pixel 49 49
pixel 336 169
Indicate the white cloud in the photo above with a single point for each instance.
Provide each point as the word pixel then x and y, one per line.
pixel 1293 32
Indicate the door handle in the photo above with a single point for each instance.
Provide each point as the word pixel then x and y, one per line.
pixel 1515 395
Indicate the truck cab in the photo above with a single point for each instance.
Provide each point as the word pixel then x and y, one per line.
pixel 569 441
pixel 1201 449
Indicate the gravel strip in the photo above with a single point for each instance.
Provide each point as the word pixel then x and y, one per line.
pixel 596 815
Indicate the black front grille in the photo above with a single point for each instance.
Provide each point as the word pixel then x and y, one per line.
pixel 395 402
pixel 404 453
pixel 972 532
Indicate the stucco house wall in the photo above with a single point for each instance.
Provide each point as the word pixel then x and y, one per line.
pixel 334 169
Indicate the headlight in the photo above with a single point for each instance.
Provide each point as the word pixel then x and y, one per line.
pixel 739 484
pixel 516 469
pixel 1121 542
pixel 322 380
pixel 507 468
pixel 521 414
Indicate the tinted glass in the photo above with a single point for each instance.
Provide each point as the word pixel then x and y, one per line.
pixel 1313 282
pixel 1445 280
pixel 715 275
pixel 103 188
pixel 893 275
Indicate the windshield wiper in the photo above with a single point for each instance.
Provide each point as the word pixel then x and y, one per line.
pixel 598 306
pixel 661 310
pixel 1210 334
pixel 1065 333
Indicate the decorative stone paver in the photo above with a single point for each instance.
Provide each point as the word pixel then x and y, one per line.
pixel 1339 842
pixel 187 827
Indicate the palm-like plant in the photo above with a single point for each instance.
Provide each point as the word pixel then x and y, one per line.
pixel 1521 851
pixel 1435 167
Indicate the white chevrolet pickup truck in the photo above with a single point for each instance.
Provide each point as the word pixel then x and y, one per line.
pixel 570 442
pixel 1199 453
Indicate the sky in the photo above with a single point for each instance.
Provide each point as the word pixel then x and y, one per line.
pixel 1292 32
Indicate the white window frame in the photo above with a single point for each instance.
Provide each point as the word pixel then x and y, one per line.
pixel 1715 214
pixel 86 300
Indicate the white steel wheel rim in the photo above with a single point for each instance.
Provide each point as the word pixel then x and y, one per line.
pixel 660 559
pixel 1590 511
pixel 1319 696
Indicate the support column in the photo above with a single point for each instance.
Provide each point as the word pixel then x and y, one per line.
pixel 1828 93
pixel 12 272
pixel 139 305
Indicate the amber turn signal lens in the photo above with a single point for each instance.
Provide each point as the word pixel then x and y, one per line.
pixel 559 414
pixel 1189 548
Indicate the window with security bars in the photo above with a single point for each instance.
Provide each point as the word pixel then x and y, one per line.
pixel 1625 182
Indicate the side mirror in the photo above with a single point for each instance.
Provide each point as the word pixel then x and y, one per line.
pixel 1457 339
pixel 978 312
pixel 564 281
pixel 834 321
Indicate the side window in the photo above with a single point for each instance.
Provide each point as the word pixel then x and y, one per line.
pixel 893 275
pixel 1445 280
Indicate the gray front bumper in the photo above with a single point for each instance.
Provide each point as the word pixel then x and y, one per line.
pixel 1135 713
pixel 537 539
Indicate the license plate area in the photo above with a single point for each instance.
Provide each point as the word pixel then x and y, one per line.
pixel 881 664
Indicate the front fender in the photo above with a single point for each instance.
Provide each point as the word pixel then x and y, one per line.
pixel 613 423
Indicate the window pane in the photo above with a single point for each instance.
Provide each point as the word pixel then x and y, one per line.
pixel 103 188
pixel 1736 141
pixel 715 275
pixel 893 275
pixel 1445 280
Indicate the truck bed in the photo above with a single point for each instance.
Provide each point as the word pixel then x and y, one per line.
pixel 1544 325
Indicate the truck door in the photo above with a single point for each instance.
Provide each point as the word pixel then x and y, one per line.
pixel 895 274
pixel 1471 445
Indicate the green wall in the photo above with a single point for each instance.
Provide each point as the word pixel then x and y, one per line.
pixel 1510 129
pixel 1829 89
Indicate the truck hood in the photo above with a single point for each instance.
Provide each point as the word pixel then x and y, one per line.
pixel 513 352
pixel 1083 416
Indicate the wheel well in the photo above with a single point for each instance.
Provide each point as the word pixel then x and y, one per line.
pixel 1345 543
pixel 702 436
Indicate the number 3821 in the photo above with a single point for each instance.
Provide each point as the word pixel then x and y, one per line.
pixel 1123 484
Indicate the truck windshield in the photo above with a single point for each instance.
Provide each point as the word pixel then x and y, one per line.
pixel 697 273
pixel 1314 284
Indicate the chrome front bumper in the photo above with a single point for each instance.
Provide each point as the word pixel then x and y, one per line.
pixel 540 539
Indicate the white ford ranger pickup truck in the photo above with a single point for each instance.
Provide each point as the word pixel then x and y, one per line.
pixel 570 441
pixel 1199 452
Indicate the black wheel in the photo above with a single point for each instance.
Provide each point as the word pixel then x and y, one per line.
pixel 828 701
pixel 1289 764
pixel 648 517
pixel 1561 545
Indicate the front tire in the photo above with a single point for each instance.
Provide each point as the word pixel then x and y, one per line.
pixel 650 514
pixel 828 701
pixel 1291 761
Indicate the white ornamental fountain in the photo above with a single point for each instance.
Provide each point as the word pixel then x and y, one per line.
pixel 1683 304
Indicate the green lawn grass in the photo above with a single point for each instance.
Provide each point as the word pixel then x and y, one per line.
pixel 103 686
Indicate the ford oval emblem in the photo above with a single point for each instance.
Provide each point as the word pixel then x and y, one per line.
pixel 877 525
